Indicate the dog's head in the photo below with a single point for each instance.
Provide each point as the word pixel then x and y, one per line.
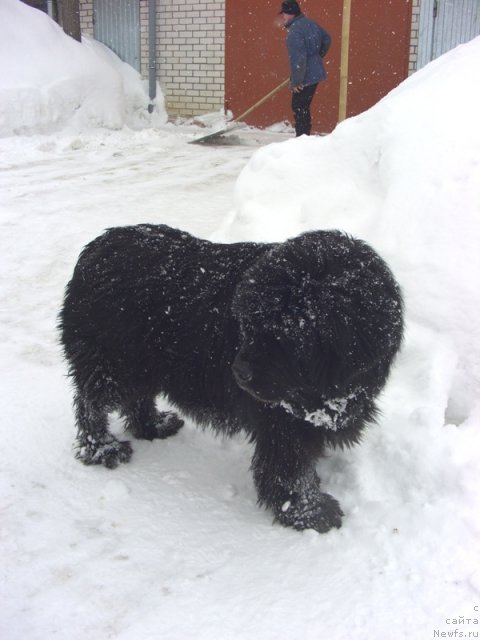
pixel 320 318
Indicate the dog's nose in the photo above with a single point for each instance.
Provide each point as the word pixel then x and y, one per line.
pixel 242 370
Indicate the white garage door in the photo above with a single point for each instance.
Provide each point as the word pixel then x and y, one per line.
pixel 444 24
pixel 117 24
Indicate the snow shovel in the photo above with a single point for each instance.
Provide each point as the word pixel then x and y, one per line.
pixel 210 137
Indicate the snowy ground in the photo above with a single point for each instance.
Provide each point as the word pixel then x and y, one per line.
pixel 172 545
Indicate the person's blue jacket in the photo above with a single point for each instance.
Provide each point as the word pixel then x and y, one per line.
pixel 307 43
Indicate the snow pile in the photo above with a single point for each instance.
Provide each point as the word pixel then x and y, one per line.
pixel 405 176
pixel 49 80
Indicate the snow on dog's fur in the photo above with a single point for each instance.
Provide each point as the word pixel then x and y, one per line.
pixel 290 342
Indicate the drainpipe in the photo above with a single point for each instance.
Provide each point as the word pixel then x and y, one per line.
pixel 152 52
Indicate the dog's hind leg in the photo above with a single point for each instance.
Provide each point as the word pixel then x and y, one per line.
pixel 145 422
pixel 95 444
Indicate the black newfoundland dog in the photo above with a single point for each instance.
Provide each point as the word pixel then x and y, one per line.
pixel 290 342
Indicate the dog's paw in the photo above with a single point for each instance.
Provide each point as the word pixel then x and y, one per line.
pixel 166 424
pixel 110 453
pixel 319 511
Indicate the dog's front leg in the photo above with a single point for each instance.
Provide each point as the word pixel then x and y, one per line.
pixel 283 467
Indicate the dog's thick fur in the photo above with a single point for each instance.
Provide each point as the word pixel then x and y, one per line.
pixel 290 342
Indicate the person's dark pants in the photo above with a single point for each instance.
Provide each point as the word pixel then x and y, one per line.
pixel 301 109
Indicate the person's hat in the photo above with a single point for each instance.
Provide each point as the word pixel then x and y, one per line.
pixel 291 8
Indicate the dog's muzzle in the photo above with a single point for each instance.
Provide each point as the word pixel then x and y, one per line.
pixel 242 371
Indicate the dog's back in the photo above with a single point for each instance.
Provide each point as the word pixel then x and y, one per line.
pixel 150 307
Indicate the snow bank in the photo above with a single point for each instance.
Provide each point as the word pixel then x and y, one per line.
pixel 49 80
pixel 405 176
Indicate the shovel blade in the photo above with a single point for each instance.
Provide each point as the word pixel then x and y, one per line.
pixel 210 137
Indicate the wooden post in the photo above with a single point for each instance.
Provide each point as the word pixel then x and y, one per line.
pixel 70 18
pixel 342 103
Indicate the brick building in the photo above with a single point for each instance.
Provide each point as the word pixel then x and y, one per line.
pixel 229 53
pixel 190 51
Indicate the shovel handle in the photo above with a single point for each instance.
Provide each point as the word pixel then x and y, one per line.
pixel 262 100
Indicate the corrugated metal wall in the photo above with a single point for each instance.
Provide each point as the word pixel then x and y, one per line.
pixel 444 24
pixel 117 24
